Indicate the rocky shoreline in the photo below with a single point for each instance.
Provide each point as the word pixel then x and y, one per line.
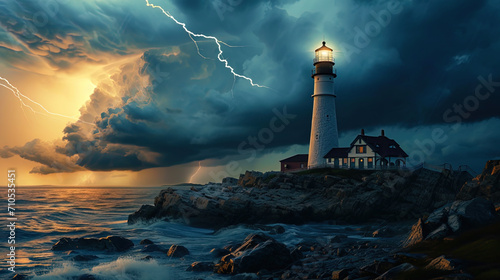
pixel 343 196
pixel 417 225
pixel 446 205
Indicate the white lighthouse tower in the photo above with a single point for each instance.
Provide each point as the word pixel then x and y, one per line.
pixel 324 134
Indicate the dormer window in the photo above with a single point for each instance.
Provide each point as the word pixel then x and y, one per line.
pixel 392 147
pixel 360 149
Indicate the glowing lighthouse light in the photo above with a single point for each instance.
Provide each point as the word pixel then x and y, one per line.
pixel 324 54
pixel 324 133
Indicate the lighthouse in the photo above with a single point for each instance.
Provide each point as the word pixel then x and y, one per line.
pixel 324 133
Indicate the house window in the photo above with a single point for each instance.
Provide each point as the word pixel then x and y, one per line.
pixel 392 147
pixel 353 163
pixel 370 162
pixel 344 164
pixel 360 149
pixel 301 165
pixel 286 166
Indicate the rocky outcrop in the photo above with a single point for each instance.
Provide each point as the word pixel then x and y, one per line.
pixel 177 251
pixel 486 185
pixel 273 197
pixel 451 219
pixel 257 252
pixel 110 244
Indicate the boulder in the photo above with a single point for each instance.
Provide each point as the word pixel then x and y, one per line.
pixel 257 252
pixel 475 212
pixel 452 218
pixel 201 266
pixel 20 277
pixel 416 234
pixel 443 263
pixel 146 242
pixel 229 181
pixel 340 274
pixel 145 213
pixel 439 233
pixel 84 258
pixel 110 244
pixel 177 251
pixel 153 248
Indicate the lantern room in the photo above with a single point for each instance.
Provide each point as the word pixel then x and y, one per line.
pixel 323 54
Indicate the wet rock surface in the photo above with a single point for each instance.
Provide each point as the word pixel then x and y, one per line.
pixel 264 198
pixel 110 244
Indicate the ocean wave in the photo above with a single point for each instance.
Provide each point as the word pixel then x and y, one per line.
pixel 121 269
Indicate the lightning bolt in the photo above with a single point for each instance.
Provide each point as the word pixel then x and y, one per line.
pixel 196 172
pixel 217 41
pixel 6 84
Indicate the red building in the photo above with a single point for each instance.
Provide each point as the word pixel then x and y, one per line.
pixel 297 162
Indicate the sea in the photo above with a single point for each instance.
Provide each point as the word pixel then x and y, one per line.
pixel 46 214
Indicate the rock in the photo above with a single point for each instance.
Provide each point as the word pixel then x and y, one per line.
pixel 146 212
pixel 153 248
pixel 177 251
pixel 147 258
pixel 219 252
pixel 146 242
pixel 110 244
pixel 454 222
pixel 443 263
pixel 341 252
pixel 416 234
pixel 486 185
pixel 84 258
pixel 452 219
pixel 395 271
pixel 229 181
pixel 257 252
pixel 336 239
pixel 296 254
pixel 439 233
pixel 273 197
pixel 20 277
pixel 340 274
pixel 475 212
pixel 201 266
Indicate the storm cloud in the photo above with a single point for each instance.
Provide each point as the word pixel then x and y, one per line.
pixel 400 64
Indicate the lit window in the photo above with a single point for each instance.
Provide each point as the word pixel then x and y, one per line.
pixel 370 159
pixel 345 160
pixel 353 160
pixel 301 165
pixel 286 166
pixel 360 149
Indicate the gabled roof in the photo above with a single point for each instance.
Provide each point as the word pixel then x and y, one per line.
pixel 382 145
pixel 338 153
pixel 296 158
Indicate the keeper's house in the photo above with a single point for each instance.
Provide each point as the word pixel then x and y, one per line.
pixel 365 152
pixel 368 152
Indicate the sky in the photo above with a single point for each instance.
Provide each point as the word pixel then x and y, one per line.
pixel 116 93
